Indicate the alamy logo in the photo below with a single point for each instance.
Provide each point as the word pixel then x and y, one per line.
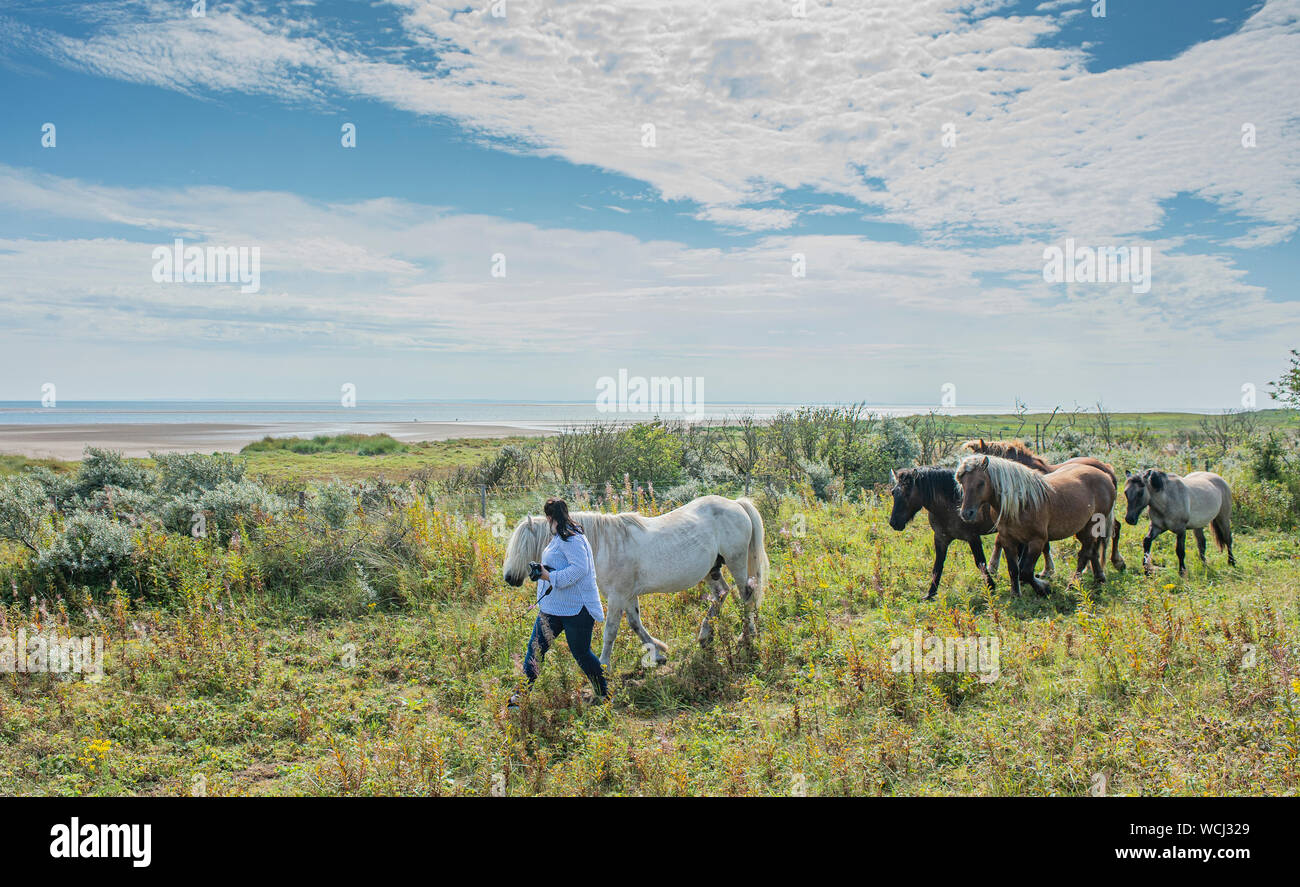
pixel 1107 264
pixel 89 841
pixel 49 653
pixel 179 263
pixel 919 655
pixel 657 394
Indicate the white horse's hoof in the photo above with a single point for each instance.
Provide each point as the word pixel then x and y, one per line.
pixel 604 661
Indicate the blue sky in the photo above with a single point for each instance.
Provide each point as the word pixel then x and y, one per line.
pixel 775 135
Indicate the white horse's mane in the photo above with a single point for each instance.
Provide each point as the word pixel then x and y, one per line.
pixel 1017 486
pixel 597 526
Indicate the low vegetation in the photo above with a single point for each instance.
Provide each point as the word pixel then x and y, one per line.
pixel 331 632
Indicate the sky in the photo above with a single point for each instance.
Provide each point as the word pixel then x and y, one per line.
pixel 650 176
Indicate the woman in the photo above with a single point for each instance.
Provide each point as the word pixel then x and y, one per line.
pixel 569 602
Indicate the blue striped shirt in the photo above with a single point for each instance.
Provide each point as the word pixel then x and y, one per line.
pixel 573 579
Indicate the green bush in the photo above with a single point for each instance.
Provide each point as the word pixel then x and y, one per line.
pixel 180 473
pixel 223 508
pixel 91 548
pixel 892 445
pixel 106 468
pixel 652 453
pixel 24 511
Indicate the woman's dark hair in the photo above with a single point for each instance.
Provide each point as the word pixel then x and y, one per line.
pixel 558 511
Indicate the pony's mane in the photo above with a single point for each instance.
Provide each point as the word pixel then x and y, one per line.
pixel 1015 449
pixel 590 519
pixel 1017 486
pixel 596 526
pixel 936 482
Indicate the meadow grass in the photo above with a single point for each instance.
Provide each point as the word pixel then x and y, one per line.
pixel 1167 686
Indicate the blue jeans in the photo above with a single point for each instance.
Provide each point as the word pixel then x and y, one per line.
pixel 577 629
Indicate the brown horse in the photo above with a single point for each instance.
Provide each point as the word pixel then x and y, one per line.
pixel 1033 509
pixel 1017 451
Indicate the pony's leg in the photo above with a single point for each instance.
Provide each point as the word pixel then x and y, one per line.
pixel 1013 570
pixel 1085 558
pixel 647 640
pixel 1049 566
pixel 1115 560
pixel 977 549
pixel 940 555
pixel 613 616
pixel 1200 544
pixel 997 556
pixel 1146 547
pixel 1029 553
pixel 1181 547
pixel 1096 548
pixel 740 574
pixel 720 589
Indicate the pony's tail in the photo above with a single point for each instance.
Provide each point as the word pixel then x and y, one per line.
pixel 1221 526
pixel 1220 537
pixel 758 566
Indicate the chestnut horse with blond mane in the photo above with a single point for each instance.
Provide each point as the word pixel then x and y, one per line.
pixel 1033 509
pixel 1018 451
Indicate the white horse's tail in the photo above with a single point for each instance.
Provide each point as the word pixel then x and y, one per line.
pixel 758 566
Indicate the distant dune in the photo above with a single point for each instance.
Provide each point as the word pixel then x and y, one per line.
pixel 68 441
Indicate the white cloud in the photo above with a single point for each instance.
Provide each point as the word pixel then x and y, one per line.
pixel 748 100
pixel 411 284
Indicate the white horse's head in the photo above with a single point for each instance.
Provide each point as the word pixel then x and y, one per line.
pixel 527 543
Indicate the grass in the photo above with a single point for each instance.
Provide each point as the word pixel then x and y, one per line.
pixel 280 464
pixel 352 457
pixel 1167 686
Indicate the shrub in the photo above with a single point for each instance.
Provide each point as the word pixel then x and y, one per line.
pixel 23 511
pixel 59 489
pixel 1266 504
pixel 107 468
pixel 223 508
pixel 180 473
pixel 820 478
pixel 92 547
pixel 652 453
pixel 1072 441
pixel 334 504
pixel 890 446
pixel 509 463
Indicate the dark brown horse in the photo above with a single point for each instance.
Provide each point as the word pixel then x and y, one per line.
pixel 1018 451
pixel 1033 508
pixel 936 490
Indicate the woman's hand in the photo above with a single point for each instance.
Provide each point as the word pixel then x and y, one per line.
pixel 546 574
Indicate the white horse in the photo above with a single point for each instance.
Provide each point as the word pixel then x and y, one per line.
pixel 638 555
pixel 1179 504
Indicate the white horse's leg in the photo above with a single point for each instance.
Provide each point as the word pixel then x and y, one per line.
pixel 634 620
pixel 719 590
pixel 745 596
pixel 613 616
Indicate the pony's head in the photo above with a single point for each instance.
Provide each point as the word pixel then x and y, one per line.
pixel 976 486
pixel 1140 489
pixel 527 543
pixel 907 498
pixel 1006 487
pixel 1016 450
